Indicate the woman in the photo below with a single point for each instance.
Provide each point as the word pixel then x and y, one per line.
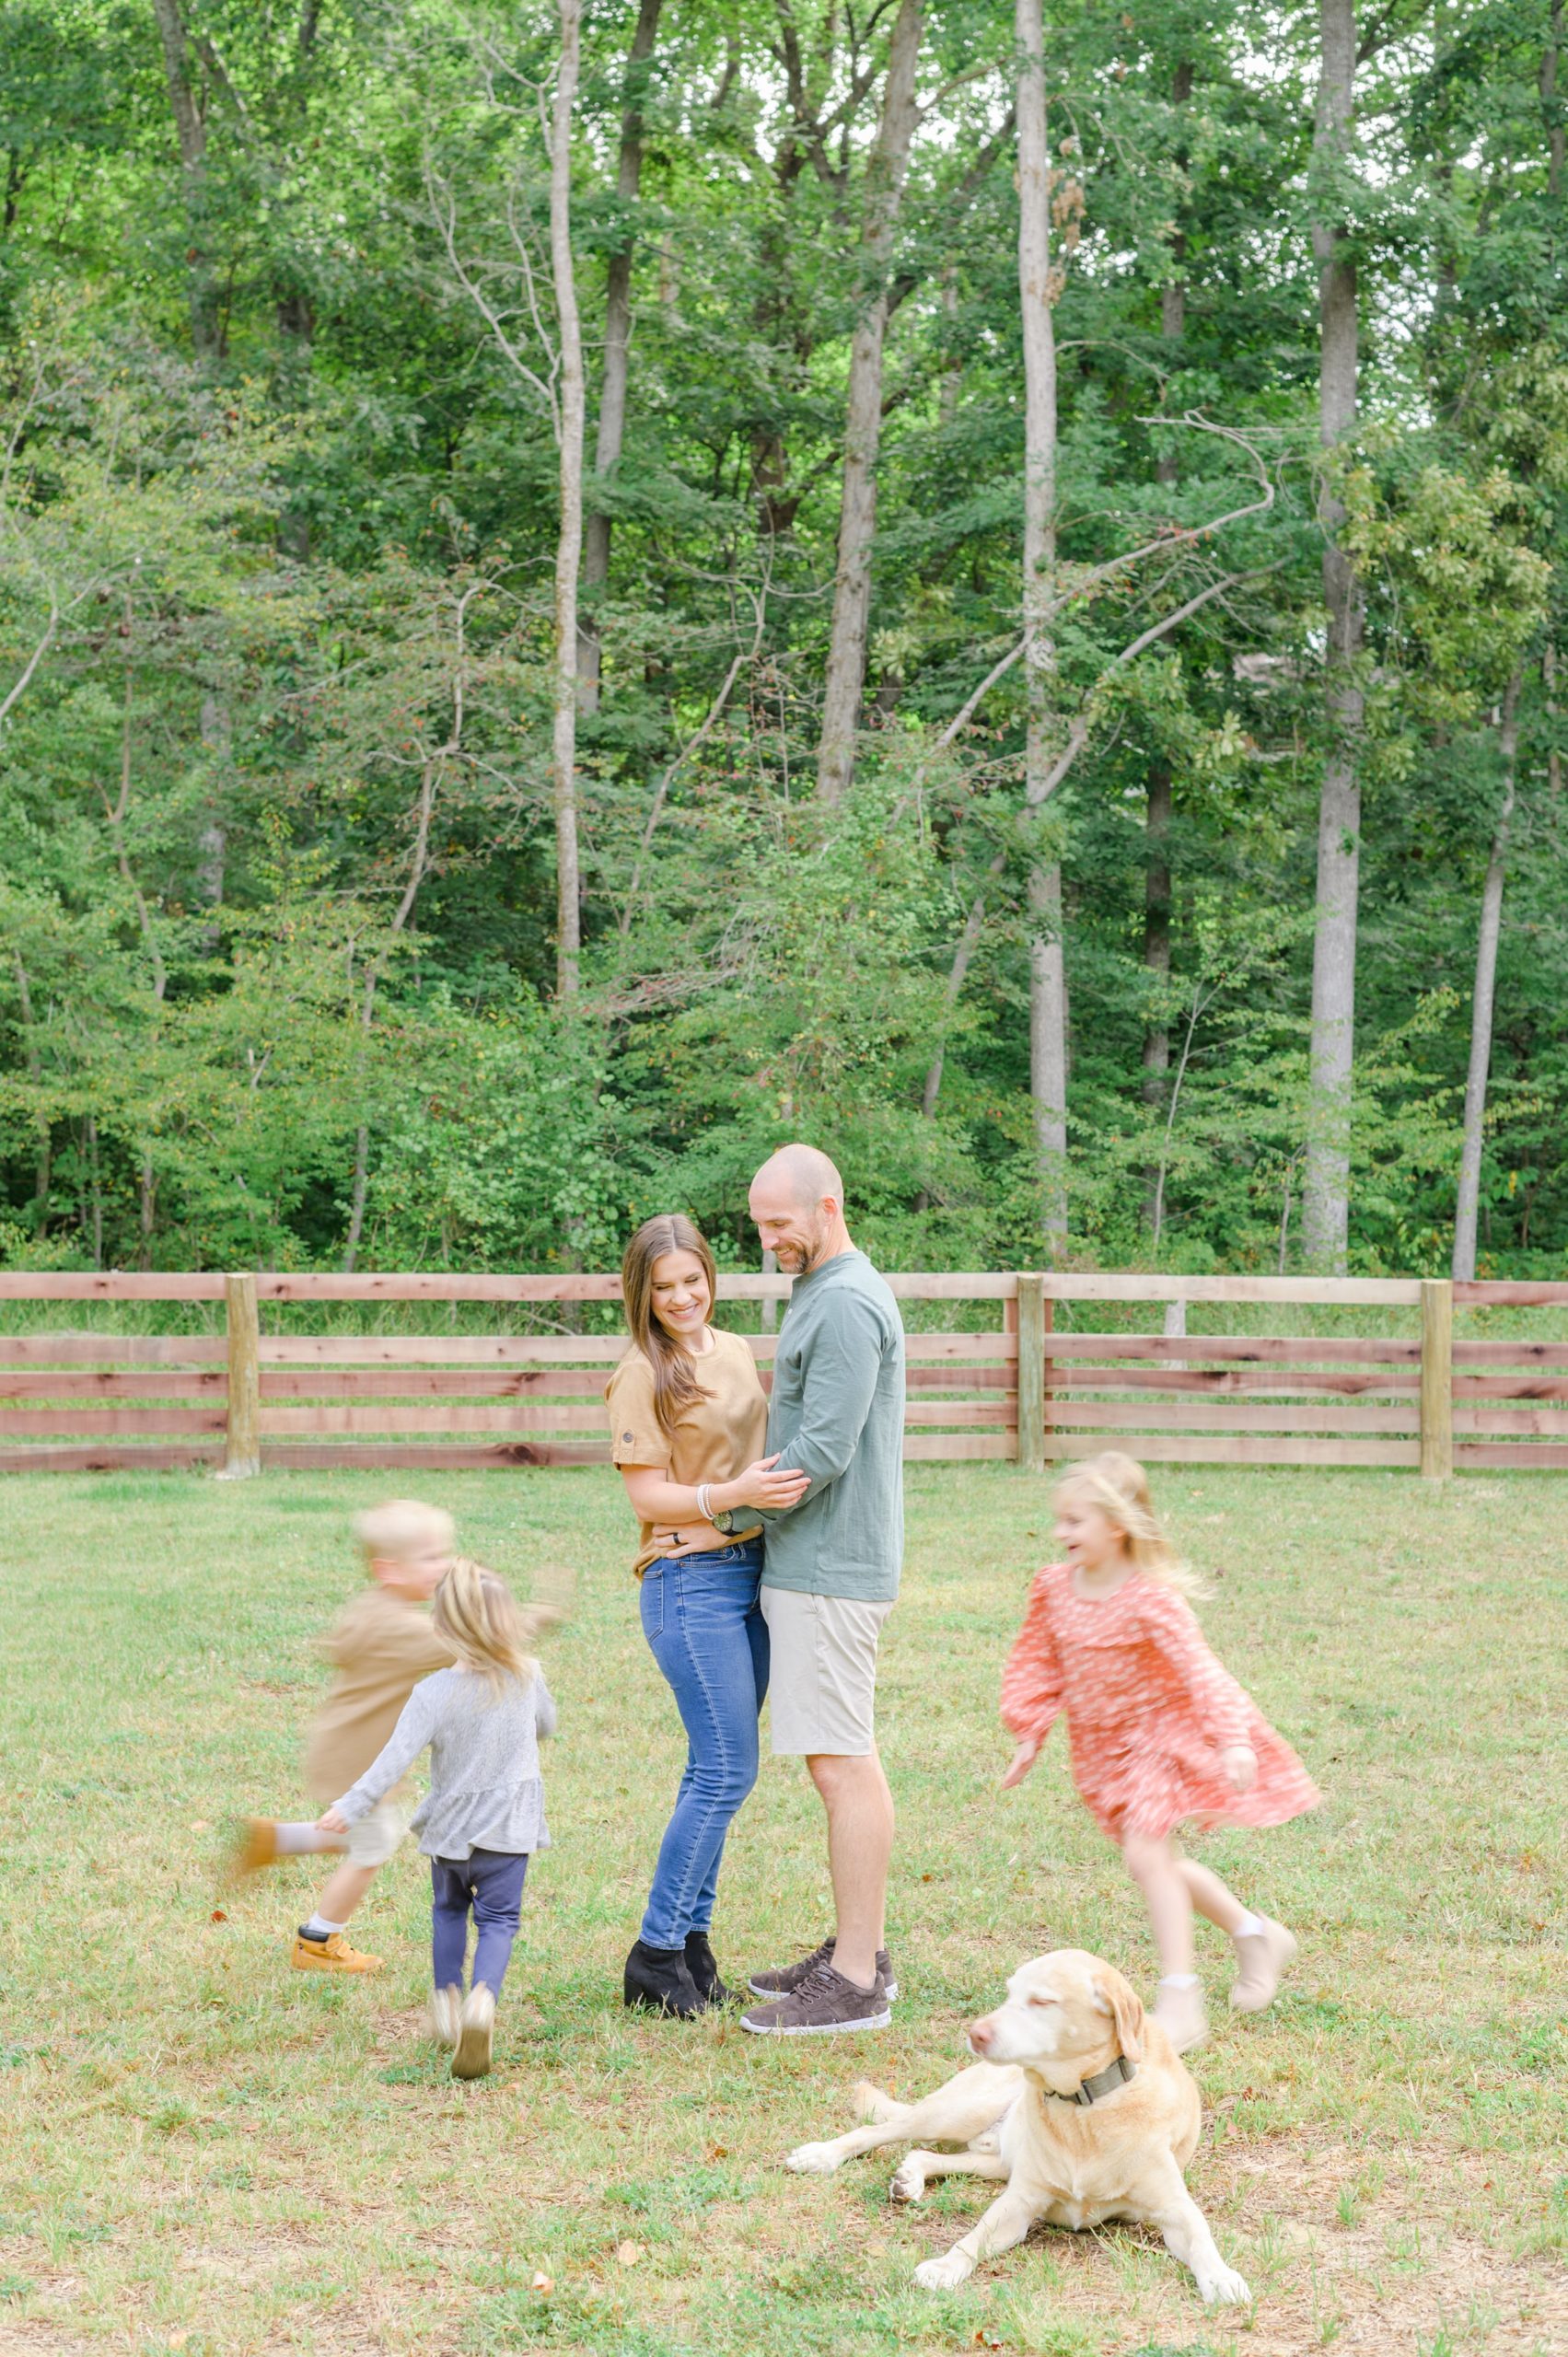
pixel 687 1421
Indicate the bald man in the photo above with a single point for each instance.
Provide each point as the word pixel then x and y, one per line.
pixel 831 1574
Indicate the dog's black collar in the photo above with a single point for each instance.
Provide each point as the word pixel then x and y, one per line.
pixel 1104 2082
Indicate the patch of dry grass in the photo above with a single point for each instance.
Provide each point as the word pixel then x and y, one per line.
pixel 208 2153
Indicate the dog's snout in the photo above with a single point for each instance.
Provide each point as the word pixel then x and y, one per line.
pixel 982 2033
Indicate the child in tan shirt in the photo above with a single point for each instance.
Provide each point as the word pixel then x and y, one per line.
pixel 380 1646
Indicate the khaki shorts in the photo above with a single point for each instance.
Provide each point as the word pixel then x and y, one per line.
pixel 373 1840
pixel 822 1683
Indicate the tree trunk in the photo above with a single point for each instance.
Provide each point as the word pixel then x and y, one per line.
pixel 1555 135
pixel 95 1197
pixel 189 124
pixel 1326 1185
pixel 1482 1004
pixel 968 942
pixel 420 861
pixel 43 1166
pixel 569 547
pixel 863 425
pixel 1156 954
pixel 1037 295
pixel 1157 819
pixel 296 311
pixel 148 1205
pixel 212 844
pixel 617 346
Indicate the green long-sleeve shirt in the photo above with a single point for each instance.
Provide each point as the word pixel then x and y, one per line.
pixel 837 1412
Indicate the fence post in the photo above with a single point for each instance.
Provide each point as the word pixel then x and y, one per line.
pixel 242 1450
pixel 1031 1373
pixel 1437 1379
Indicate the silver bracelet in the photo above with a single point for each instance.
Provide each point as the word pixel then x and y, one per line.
pixel 704 1501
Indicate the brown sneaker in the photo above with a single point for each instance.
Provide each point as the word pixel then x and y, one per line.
pixel 823 2003
pixel 1262 1959
pixel 789 1976
pixel 331 1955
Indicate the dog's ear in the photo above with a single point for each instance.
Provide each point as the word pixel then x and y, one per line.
pixel 1126 2012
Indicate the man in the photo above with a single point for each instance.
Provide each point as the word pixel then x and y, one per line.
pixel 832 1575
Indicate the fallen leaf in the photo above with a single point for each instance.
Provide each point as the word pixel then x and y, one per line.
pixel 542 2283
pixel 629 2253
pixel 219 1916
pixel 198 1825
pixel 178 2340
pixel 719 2152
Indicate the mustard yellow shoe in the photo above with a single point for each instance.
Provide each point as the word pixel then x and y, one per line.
pixel 331 1955
pixel 255 1847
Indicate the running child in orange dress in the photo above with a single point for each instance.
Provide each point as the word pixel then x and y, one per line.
pixel 1158 1731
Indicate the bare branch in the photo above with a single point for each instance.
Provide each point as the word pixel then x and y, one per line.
pixel 443 207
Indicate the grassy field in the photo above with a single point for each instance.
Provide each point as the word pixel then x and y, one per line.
pixel 206 2151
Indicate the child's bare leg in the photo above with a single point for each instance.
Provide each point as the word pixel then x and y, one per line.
pixel 1158 1870
pixel 300 1841
pixel 1213 1899
pixel 1264 1949
pixel 342 1893
pixel 1156 1867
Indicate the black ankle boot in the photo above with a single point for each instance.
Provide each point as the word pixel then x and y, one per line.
pixel 658 1981
pixel 704 1971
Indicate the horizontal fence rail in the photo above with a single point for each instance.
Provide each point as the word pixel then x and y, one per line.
pixel 1052 1375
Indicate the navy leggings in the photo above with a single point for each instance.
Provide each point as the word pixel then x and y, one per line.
pixel 489 1882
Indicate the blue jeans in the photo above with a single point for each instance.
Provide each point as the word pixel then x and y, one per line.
pixel 491 1882
pixel 706 1628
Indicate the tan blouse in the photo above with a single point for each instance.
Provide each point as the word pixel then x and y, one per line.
pixel 717 1437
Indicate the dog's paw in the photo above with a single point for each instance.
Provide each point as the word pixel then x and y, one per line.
pixel 944 2274
pixel 908 2185
pixel 1224 2288
pixel 813 2160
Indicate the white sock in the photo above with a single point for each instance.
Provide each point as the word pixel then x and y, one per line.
pixel 1180 1980
pixel 319 1929
pixel 302 1840
pixel 1248 1927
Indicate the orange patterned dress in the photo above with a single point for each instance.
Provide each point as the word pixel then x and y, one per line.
pixel 1149 1710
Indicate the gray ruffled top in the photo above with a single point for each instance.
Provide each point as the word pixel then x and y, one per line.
pixel 485 1788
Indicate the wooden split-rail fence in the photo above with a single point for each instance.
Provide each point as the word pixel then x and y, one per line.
pixel 1053 1372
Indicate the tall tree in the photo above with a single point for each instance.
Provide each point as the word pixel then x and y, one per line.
pixel 885 175
pixel 1326 1185
pixel 1481 999
pixel 611 426
pixel 1158 802
pixel 569 541
pixel 190 128
pixel 1036 298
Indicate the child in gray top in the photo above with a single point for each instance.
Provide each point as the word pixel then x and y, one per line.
pixel 483 1815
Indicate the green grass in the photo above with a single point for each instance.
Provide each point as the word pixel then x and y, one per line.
pixel 203 2151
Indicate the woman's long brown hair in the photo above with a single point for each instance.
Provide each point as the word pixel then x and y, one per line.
pixel 675 1379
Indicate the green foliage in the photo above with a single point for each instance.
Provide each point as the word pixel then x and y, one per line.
pixel 278 515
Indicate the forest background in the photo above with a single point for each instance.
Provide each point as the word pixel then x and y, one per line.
pixel 586 588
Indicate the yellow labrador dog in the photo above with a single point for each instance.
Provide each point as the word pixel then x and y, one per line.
pixel 1080 2107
